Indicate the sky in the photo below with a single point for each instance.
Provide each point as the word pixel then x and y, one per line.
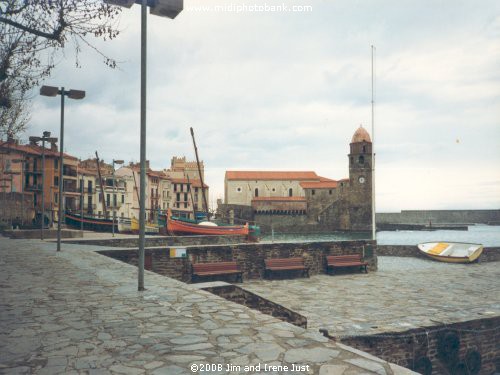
pixel 286 90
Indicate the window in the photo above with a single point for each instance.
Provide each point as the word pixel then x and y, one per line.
pixel 361 159
pixel 100 198
pixel 273 189
pixel 114 200
pixel 178 197
pixel 89 187
pixel 56 163
pixel 56 180
pixel 55 197
pixel 238 189
pixel 123 198
pixel 256 192
pixel 185 205
pixel 313 192
pixel 185 197
pixel 330 192
pixel 108 199
pixel 196 190
pixel 290 192
pixel 364 148
pixel 352 160
pixel 175 187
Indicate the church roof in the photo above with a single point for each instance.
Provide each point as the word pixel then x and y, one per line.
pixel 272 175
pixel 361 135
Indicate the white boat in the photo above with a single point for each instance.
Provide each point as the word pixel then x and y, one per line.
pixel 452 252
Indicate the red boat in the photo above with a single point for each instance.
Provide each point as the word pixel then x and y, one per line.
pixel 179 227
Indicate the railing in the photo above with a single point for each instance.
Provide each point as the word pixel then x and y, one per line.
pixel 69 172
pixel 34 187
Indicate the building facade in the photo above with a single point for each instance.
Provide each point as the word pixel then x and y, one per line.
pixel 302 198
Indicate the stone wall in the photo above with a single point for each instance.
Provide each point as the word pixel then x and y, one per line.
pixel 250 257
pixel 253 301
pixel 161 241
pixel 440 216
pixel 490 254
pixel 447 347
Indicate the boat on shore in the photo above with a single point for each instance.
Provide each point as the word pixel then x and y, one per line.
pixel 74 220
pixel 149 228
pixel 176 226
pixel 451 252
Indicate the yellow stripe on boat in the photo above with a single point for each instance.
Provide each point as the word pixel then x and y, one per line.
pixel 438 249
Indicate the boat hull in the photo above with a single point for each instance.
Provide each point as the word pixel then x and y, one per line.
pixel 452 252
pixel 90 223
pixel 177 227
pixel 149 228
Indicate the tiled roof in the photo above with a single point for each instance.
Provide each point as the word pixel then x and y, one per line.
pixel 319 185
pixel 280 199
pixel 271 175
pixel 194 183
pixel 33 150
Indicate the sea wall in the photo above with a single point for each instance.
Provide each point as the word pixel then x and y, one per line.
pixel 440 216
pixel 443 349
pixel 133 241
pixel 250 257
pixel 490 254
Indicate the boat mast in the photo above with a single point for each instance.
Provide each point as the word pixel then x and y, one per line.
pixel 102 188
pixel 191 193
pixel 201 176
pixel 374 224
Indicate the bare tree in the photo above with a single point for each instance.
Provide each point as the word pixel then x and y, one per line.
pixel 32 34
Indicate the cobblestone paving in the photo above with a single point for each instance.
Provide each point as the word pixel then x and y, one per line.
pixel 77 312
pixel 405 293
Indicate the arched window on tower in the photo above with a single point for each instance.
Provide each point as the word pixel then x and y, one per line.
pixel 352 160
pixel 290 192
pixel 256 192
pixel 364 148
pixel 361 159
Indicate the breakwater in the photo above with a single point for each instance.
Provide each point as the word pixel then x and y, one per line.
pixel 491 217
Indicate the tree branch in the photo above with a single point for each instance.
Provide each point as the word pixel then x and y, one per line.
pixel 55 35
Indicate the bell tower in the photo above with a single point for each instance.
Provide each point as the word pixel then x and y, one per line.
pixel 360 180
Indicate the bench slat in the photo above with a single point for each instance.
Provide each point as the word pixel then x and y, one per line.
pixel 216 268
pixel 351 260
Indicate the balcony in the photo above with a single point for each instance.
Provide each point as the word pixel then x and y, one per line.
pixel 70 172
pixel 33 187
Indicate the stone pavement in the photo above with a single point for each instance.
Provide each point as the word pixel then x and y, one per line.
pixel 78 312
pixel 405 293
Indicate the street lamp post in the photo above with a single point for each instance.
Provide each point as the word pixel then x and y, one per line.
pixel 72 94
pixel 114 193
pixel 45 138
pixel 163 8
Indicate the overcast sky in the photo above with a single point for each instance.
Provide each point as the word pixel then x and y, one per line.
pixel 286 91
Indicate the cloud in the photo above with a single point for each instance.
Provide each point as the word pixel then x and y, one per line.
pixel 287 91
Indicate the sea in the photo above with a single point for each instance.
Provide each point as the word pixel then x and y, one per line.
pixel 487 235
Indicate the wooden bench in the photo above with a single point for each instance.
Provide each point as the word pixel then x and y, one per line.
pixel 216 269
pixel 338 261
pixel 285 264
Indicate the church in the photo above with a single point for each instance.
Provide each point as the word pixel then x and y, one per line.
pixel 302 201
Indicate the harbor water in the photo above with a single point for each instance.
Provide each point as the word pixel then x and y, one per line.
pixel 488 235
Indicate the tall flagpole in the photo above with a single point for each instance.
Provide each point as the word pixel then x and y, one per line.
pixel 374 225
